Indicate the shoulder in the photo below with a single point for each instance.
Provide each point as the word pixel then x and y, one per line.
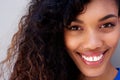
pixel 118 75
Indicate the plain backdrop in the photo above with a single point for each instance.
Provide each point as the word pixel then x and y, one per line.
pixel 10 13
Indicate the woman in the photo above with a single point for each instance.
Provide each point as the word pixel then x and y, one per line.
pixel 66 40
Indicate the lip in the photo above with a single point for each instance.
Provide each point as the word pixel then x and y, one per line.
pixel 96 53
pixel 92 54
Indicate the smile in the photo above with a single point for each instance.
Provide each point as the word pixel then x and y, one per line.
pixel 93 58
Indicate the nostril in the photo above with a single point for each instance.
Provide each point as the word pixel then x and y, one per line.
pixel 94 44
pixel 92 41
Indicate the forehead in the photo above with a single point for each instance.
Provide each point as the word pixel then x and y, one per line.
pixel 99 8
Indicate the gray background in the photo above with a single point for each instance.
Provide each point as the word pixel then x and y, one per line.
pixel 10 14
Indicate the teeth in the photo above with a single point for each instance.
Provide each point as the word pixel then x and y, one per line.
pixel 92 58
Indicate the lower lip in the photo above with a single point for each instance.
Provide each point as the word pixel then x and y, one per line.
pixel 94 63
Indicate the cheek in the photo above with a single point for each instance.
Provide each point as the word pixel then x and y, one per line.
pixel 71 42
pixel 112 39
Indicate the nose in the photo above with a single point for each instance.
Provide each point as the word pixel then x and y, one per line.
pixel 92 41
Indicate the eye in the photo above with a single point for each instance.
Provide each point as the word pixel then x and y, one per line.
pixel 107 25
pixel 74 28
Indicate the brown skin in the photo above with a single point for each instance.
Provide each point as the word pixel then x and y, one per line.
pixel 91 34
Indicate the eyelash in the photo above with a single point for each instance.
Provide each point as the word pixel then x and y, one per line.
pixel 108 25
pixel 74 28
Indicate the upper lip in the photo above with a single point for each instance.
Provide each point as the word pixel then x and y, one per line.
pixel 92 53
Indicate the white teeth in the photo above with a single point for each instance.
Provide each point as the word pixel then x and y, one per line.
pixel 92 58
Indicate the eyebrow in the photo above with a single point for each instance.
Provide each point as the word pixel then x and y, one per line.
pixel 107 17
pixel 102 19
pixel 78 20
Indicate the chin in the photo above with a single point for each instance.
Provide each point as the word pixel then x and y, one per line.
pixel 93 72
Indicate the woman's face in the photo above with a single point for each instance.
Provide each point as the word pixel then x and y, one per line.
pixel 92 38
